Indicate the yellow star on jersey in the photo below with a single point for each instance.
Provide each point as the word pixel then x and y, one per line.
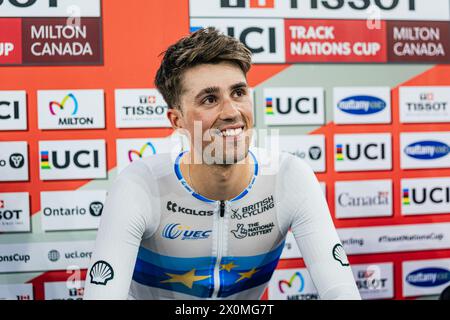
pixel 246 275
pixel 187 279
pixel 228 266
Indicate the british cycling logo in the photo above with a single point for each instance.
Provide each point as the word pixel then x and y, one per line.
pixel 101 272
pixel 174 207
pixel 96 208
pixel 252 230
pixel 428 277
pixel 339 255
pixel 175 230
pixel 427 150
pixel 361 105
pixel 254 209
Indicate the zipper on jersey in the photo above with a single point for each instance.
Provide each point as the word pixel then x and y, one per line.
pixel 220 240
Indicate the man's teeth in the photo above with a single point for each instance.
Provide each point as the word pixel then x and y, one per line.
pixel 231 132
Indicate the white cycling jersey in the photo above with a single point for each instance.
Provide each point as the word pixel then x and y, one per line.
pixel 158 239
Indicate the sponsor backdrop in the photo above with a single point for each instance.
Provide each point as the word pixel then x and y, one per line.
pixel 358 89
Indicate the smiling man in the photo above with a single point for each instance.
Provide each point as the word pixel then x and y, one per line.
pixel 212 222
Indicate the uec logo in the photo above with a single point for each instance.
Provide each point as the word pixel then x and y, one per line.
pixel 175 230
pixel 361 105
pixel 427 150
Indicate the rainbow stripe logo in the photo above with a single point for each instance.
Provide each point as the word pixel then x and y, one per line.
pixel 54 104
pixel 406 200
pixel 269 106
pixel 339 152
pixel 291 281
pixel 140 153
pixel 44 160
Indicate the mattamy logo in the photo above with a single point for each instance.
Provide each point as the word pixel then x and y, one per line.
pixel 425 277
pixel 424 104
pixel 64 290
pixel 45 256
pixel 292 284
pixel 362 105
pixel 141 108
pixel 15 212
pixel 129 150
pixel 374 281
pixel 13 110
pixel 72 159
pixel 20 291
pixel 294 106
pixel 264 37
pixel 425 150
pixel 71 109
pixel 310 148
pixel 395 10
pixel 72 210
pixel 425 196
pixel 13 161
pixel 363 199
pixel 49 8
pixel 361 152
pixel 398 238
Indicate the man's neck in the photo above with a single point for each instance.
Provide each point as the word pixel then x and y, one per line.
pixel 218 182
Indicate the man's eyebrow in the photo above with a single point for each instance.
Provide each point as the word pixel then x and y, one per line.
pixel 208 90
pixel 238 85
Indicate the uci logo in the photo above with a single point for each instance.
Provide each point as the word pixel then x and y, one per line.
pixel 12 109
pixel 96 208
pixel 82 159
pixel 303 105
pixel 16 161
pixel 371 151
pixel 420 196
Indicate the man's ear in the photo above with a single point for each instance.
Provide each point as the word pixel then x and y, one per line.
pixel 175 117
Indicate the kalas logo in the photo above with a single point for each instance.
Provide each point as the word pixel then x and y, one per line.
pixel 420 196
pixel 428 277
pixel 140 153
pixel 173 207
pixel 93 162
pixel 345 151
pixel 289 283
pixel 175 230
pixel 427 150
pixel 362 105
pixel 303 105
pixel 15 112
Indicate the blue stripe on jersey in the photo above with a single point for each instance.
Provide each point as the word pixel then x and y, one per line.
pixel 202 198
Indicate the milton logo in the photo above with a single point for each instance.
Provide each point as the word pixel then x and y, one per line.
pixel 140 153
pixel 69 100
pixel 303 106
pixel 362 105
pixel 13 114
pixel 420 196
pixel 427 150
pixel 353 153
pixel 96 208
pixel 428 277
pixel 16 160
pixel 78 158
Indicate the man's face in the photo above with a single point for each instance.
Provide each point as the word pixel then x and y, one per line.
pixel 216 99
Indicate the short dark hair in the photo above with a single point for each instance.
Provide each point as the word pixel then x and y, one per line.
pixel 206 45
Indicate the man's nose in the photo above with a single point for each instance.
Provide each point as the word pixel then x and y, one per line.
pixel 229 110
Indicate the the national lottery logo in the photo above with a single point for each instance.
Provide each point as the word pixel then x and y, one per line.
pixel 146 149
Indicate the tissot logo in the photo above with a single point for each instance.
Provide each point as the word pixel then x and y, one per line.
pixel 75 109
pixel 265 39
pixel 254 4
pixel 424 104
pixel 374 281
pixel 174 207
pixel 288 106
pixel 72 159
pixel 14 212
pixel 13 110
pixel 140 108
pixel 363 152
pixel 13 161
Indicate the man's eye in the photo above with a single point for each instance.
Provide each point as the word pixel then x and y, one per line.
pixel 240 92
pixel 209 100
